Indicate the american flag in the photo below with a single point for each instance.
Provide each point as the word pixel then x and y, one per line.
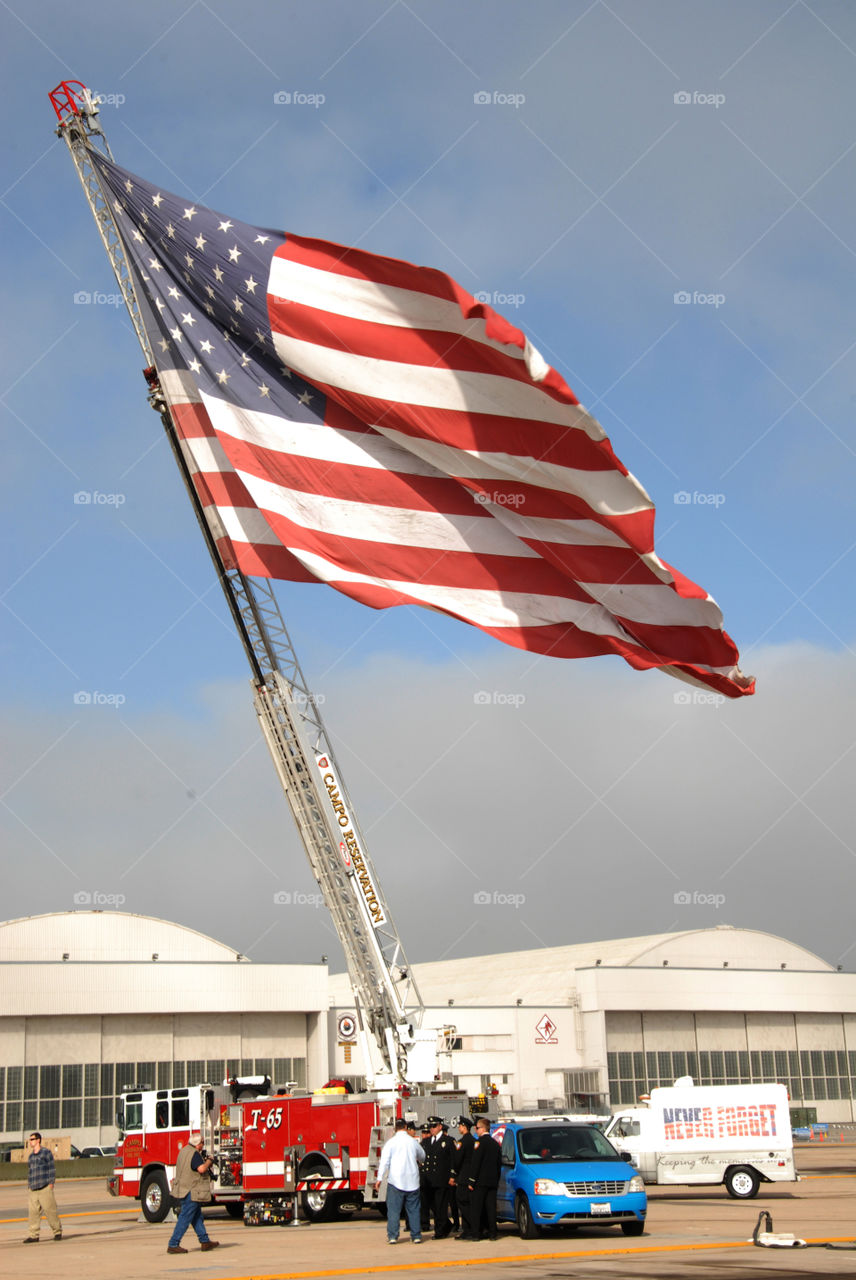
pixel 360 421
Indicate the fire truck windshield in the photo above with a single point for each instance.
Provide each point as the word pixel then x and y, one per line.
pixel 131 1112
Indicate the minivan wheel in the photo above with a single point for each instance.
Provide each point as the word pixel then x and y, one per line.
pixel 523 1215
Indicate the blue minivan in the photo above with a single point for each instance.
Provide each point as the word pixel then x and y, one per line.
pixel 560 1174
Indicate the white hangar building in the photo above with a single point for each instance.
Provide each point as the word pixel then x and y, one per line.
pixel 94 1002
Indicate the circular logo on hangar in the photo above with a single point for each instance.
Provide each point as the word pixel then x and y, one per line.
pixel 347 1026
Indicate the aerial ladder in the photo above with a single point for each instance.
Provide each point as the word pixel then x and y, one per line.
pixel 398 1052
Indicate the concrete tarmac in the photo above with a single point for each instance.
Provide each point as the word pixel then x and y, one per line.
pixel 697 1232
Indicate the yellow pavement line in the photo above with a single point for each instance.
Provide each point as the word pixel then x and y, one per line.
pixel 88 1213
pixel 424 1265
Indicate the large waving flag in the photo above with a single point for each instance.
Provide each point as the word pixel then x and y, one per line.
pixel 363 422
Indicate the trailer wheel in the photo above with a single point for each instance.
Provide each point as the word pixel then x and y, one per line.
pixel 235 1208
pixel 523 1214
pixel 154 1197
pixel 742 1182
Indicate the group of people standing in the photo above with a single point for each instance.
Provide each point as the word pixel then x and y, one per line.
pixel 452 1181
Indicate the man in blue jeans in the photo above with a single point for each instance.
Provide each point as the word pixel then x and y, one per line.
pixel 399 1163
pixel 192 1186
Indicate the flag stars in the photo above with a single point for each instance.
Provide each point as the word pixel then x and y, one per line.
pixel 218 274
pixel 144 218
pixel 189 261
pixel 251 285
pixel 305 398
pixel 170 230
pixel 188 319
pixel 189 214
pixel 201 243
pixel 129 186
pixel 264 390
pixel 234 253
pixel 137 235
pixel 157 200
pixel 160 305
pixel 163 344
pixel 245 359
pixel 206 346
pixel 260 336
pixel 225 226
pixel 210 291
pixel 209 310
pixel 261 239
pixel 195 366
pixel 237 304
pixel 223 377
pixel 173 292
pixel 176 334
pixel 155 265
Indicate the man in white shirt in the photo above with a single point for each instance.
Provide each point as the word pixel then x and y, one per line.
pixel 399 1163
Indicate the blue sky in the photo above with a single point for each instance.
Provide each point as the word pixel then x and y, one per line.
pixel 662 195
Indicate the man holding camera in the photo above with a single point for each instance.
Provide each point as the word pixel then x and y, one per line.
pixel 192 1186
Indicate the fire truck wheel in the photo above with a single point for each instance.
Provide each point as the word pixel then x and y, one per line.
pixel 154 1197
pixel 235 1208
pixel 317 1206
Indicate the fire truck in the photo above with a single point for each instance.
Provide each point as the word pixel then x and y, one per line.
pixel 273 1152
pixel 276 1156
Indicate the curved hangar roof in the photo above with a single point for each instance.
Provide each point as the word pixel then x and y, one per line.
pixel 106 936
pixel 500 979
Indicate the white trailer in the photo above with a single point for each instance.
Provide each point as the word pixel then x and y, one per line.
pixel 691 1135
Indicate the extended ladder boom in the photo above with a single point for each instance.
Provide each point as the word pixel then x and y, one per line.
pixel 389 1011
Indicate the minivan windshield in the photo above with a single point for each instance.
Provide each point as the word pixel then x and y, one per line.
pixel 564 1142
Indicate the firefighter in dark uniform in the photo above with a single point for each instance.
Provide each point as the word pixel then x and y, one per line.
pixel 484 1180
pixel 424 1188
pixel 451 1198
pixel 438 1173
pixel 461 1164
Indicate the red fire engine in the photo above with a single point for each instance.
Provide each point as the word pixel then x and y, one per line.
pixel 275 1156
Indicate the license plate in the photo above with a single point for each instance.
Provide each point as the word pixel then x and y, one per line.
pixel 601 1208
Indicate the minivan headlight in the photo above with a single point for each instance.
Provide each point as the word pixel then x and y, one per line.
pixel 635 1184
pixel 547 1187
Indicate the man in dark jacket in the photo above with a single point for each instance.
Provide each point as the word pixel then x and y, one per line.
pixel 438 1174
pixel 461 1164
pixel 484 1180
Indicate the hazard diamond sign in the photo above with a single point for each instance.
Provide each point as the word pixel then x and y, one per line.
pixel 546 1029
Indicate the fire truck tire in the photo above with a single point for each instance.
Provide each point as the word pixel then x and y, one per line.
pixel 317 1206
pixel 235 1208
pixel 154 1197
